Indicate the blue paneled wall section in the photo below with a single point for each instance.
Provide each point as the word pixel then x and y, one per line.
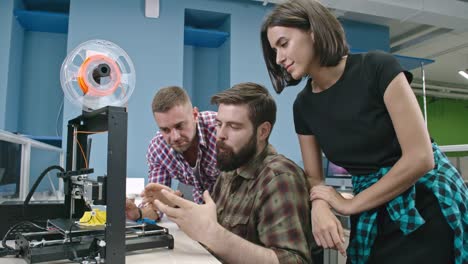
pixel 6 18
pixel 42 94
pixel 224 60
pixel 206 56
pixel 188 78
pixel 156 47
pixel 364 36
pixel 15 78
pixel 42 21
pixel 10 58
pixel 205 76
pixel 204 37
pixel 32 62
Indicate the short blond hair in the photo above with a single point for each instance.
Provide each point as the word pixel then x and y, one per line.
pixel 168 97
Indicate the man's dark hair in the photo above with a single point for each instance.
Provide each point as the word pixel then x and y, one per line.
pixel 262 106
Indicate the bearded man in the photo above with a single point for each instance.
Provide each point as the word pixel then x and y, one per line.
pixel 258 211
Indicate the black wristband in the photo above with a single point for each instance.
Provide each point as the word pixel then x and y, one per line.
pixel 140 213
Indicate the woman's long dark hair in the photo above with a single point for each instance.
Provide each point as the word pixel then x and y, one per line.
pixel 308 15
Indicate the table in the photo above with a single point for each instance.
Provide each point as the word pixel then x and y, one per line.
pixel 186 251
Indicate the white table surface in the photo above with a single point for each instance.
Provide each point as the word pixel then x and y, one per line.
pixel 186 251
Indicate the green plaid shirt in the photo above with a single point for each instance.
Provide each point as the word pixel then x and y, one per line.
pixel 451 192
pixel 267 204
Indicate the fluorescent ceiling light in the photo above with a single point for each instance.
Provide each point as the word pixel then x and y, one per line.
pixel 463 73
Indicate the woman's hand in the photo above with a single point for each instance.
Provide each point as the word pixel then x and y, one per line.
pixel 326 228
pixel 333 198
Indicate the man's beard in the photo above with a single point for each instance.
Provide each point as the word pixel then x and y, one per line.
pixel 182 149
pixel 228 160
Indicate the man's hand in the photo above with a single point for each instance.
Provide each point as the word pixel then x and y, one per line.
pixel 131 210
pixel 199 222
pixel 326 228
pixel 153 192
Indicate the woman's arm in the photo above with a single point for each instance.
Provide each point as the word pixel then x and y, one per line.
pixel 326 227
pixel 312 158
pixel 417 157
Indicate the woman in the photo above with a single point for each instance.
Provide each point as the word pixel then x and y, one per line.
pixel 410 203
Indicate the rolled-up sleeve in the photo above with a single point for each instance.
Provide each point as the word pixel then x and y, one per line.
pixel 284 218
pixel 157 172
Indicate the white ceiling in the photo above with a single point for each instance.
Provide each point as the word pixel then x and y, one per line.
pixel 432 29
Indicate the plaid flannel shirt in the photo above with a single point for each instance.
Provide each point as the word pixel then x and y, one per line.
pixel 267 204
pixel 165 163
pixel 451 192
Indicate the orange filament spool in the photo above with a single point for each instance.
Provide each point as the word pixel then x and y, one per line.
pixel 85 79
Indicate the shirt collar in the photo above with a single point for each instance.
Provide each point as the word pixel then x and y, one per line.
pixel 250 169
pixel 201 138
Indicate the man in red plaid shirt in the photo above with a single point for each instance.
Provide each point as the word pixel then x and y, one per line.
pixel 184 148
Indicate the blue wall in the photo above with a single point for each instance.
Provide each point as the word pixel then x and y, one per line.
pixel 14 77
pixel 364 36
pixel 6 26
pixel 41 91
pixel 224 60
pixel 157 49
pixel 29 75
pixel 205 76
pixel 5 36
pixel 188 69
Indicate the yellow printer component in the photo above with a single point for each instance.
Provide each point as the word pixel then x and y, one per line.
pixel 95 217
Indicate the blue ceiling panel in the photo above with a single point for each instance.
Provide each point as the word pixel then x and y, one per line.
pixel 411 63
pixel 408 63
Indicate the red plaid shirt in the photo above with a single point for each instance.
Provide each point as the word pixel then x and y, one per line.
pixel 165 163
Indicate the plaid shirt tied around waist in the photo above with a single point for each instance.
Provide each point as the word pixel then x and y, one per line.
pixel 448 187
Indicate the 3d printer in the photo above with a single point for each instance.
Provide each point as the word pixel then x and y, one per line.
pixel 96 75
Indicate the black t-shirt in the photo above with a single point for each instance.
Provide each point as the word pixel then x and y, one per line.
pixel 349 119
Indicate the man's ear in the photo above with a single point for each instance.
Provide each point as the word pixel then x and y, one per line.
pixel 195 113
pixel 264 130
